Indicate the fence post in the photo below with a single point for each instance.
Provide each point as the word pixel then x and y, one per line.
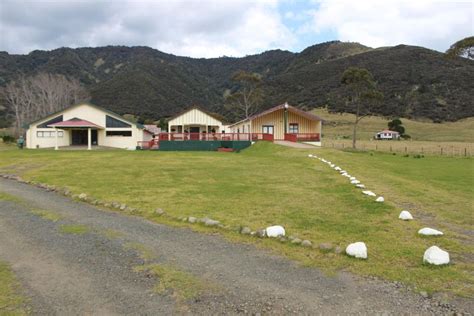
pixel 390 148
pixel 421 150
pixel 342 145
pixel 376 146
pixel 441 151
pixel 405 149
pixel 465 152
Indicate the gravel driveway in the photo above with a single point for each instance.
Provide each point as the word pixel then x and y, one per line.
pixel 93 272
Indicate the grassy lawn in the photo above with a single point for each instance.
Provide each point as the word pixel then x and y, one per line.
pixel 268 184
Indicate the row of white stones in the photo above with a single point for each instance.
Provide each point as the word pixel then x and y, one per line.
pixel 433 255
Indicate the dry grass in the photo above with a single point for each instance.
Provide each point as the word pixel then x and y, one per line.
pixel 447 139
pixel 338 126
pixel 451 149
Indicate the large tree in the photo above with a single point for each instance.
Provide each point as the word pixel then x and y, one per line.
pixel 30 98
pixel 362 95
pixel 463 48
pixel 246 99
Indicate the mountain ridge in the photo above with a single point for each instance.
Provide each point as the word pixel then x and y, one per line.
pixel 417 82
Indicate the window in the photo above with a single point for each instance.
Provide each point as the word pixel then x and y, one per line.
pixel 52 121
pixel 267 129
pixel 293 128
pixel 113 122
pixel 119 133
pixel 48 134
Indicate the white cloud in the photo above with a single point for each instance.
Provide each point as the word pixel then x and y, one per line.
pixel 208 28
pixel 433 24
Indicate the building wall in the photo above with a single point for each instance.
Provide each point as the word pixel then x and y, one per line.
pixel 243 127
pixel 197 118
pixel 277 119
pixel 91 114
pixel 387 135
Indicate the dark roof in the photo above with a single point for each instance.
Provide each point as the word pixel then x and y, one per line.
pixel 196 107
pixel 293 109
pixel 90 104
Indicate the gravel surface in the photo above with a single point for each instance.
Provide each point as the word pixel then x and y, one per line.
pixel 92 274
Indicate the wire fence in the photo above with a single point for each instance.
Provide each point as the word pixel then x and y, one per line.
pixel 451 149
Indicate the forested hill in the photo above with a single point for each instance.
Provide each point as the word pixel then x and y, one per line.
pixel 416 82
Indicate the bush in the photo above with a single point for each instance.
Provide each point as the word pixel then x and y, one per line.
pixel 8 139
pixel 418 156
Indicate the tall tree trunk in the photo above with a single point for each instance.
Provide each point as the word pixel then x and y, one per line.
pixel 354 134
pixel 354 131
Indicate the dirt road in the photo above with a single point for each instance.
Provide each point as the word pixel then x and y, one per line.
pixel 92 270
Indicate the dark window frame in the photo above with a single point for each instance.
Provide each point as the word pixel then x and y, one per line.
pixel 267 127
pixel 118 133
pixel 56 119
pixel 292 129
pixel 112 122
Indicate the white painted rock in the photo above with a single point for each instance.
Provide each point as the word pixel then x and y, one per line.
pixel 360 186
pixel 435 255
pixel 405 215
pixel 310 156
pixel 355 181
pixel 429 232
pixel 380 199
pixel 338 168
pixel 369 193
pixel 342 171
pixel 324 160
pixel 357 249
pixel 275 231
pixel 347 175
pixel 352 178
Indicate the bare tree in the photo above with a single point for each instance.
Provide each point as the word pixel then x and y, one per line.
pixel 33 97
pixel 247 99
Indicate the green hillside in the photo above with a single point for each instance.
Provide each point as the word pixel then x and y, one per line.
pixel 417 82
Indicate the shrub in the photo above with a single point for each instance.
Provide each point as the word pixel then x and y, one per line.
pixel 8 139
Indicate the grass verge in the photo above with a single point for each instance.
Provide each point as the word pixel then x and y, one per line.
pixel 8 197
pixel 183 285
pixel 10 299
pixel 74 229
pixel 48 215
pixel 145 253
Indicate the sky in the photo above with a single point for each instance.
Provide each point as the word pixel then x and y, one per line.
pixel 213 28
